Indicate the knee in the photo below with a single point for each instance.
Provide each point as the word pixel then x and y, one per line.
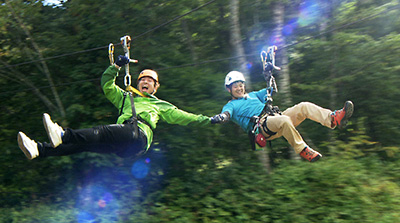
pixel 304 104
pixel 285 120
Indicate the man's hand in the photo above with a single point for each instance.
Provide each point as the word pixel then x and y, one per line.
pixel 220 118
pixel 121 61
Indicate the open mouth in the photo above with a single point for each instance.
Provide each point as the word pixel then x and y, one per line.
pixel 145 88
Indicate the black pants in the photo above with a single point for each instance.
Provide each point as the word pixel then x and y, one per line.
pixel 117 138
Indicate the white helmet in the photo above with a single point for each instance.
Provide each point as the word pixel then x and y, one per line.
pixel 232 77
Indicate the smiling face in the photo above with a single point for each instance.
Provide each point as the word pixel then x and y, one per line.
pixel 237 90
pixel 148 85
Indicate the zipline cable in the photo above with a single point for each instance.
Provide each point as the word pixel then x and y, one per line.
pixel 104 47
pixel 287 45
pixel 174 19
pixel 208 61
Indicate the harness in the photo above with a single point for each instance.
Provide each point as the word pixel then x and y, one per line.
pixel 257 139
pixel 135 118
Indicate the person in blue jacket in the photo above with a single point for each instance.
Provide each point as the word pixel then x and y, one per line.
pixel 244 106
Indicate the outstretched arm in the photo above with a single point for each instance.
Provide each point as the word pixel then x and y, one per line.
pixel 173 115
pixel 221 118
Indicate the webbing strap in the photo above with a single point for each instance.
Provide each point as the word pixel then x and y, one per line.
pixel 123 103
pixel 266 129
pixel 134 118
pixel 135 91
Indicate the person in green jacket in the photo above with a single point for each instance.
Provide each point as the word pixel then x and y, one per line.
pixel 129 136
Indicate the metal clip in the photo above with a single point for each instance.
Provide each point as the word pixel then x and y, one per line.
pixel 126 44
pixel 111 53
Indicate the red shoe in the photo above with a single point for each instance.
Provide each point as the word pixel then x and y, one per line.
pixel 310 154
pixel 341 117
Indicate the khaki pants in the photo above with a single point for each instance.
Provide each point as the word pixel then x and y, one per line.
pixel 285 124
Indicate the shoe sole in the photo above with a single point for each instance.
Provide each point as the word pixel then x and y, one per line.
pixel 22 146
pixel 46 118
pixel 316 158
pixel 348 109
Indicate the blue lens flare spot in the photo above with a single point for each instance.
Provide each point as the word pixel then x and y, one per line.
pixel 96 202
pixel 84 217
pixel 309 13
pixel 249 65
pixel 141 168
pixel 274 40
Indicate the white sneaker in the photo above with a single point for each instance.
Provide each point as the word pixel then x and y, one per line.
pixel 54 131
pixel 28 146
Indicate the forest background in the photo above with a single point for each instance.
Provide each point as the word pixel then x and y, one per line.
pixel 52 58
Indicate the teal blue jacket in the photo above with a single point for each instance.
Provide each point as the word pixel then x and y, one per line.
pixel 150 108
pixel 241 110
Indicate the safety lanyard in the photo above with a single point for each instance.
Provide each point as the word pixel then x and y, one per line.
pixel 126 44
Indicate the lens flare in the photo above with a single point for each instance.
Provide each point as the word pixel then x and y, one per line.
pixel 96 202
pixel 84 217
pixel 141 168
pixel 290 27
pixel 249 65
pixel 275 40
pixel 309 13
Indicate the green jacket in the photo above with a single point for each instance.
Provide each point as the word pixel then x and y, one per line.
pixel 150 109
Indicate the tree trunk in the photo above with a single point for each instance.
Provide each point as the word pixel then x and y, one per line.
pixel 189 41
pixel 236 43
pixel 236 40
pixel 60 106
pixel 284 76
pixel 284 85
pixel 332 75
pixel 35 90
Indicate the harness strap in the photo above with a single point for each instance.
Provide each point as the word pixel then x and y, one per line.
pixel 266 129
pixel 123 103
pixel 257 125
pixel 134 118
pixel 252 140
pixel 140 119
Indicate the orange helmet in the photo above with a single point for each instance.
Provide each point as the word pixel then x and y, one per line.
pixel 148 73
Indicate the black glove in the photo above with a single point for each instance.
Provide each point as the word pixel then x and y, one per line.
pixel 220 118
pixel 216 119
pixel 122 60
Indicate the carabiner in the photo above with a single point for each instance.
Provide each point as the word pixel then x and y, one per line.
pixel 126 44
pixel 263 56
pixel 111 53
pixel 127 80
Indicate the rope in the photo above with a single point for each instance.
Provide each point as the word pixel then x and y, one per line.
pixel 206 61
pixel 104 47
pixel 174 19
